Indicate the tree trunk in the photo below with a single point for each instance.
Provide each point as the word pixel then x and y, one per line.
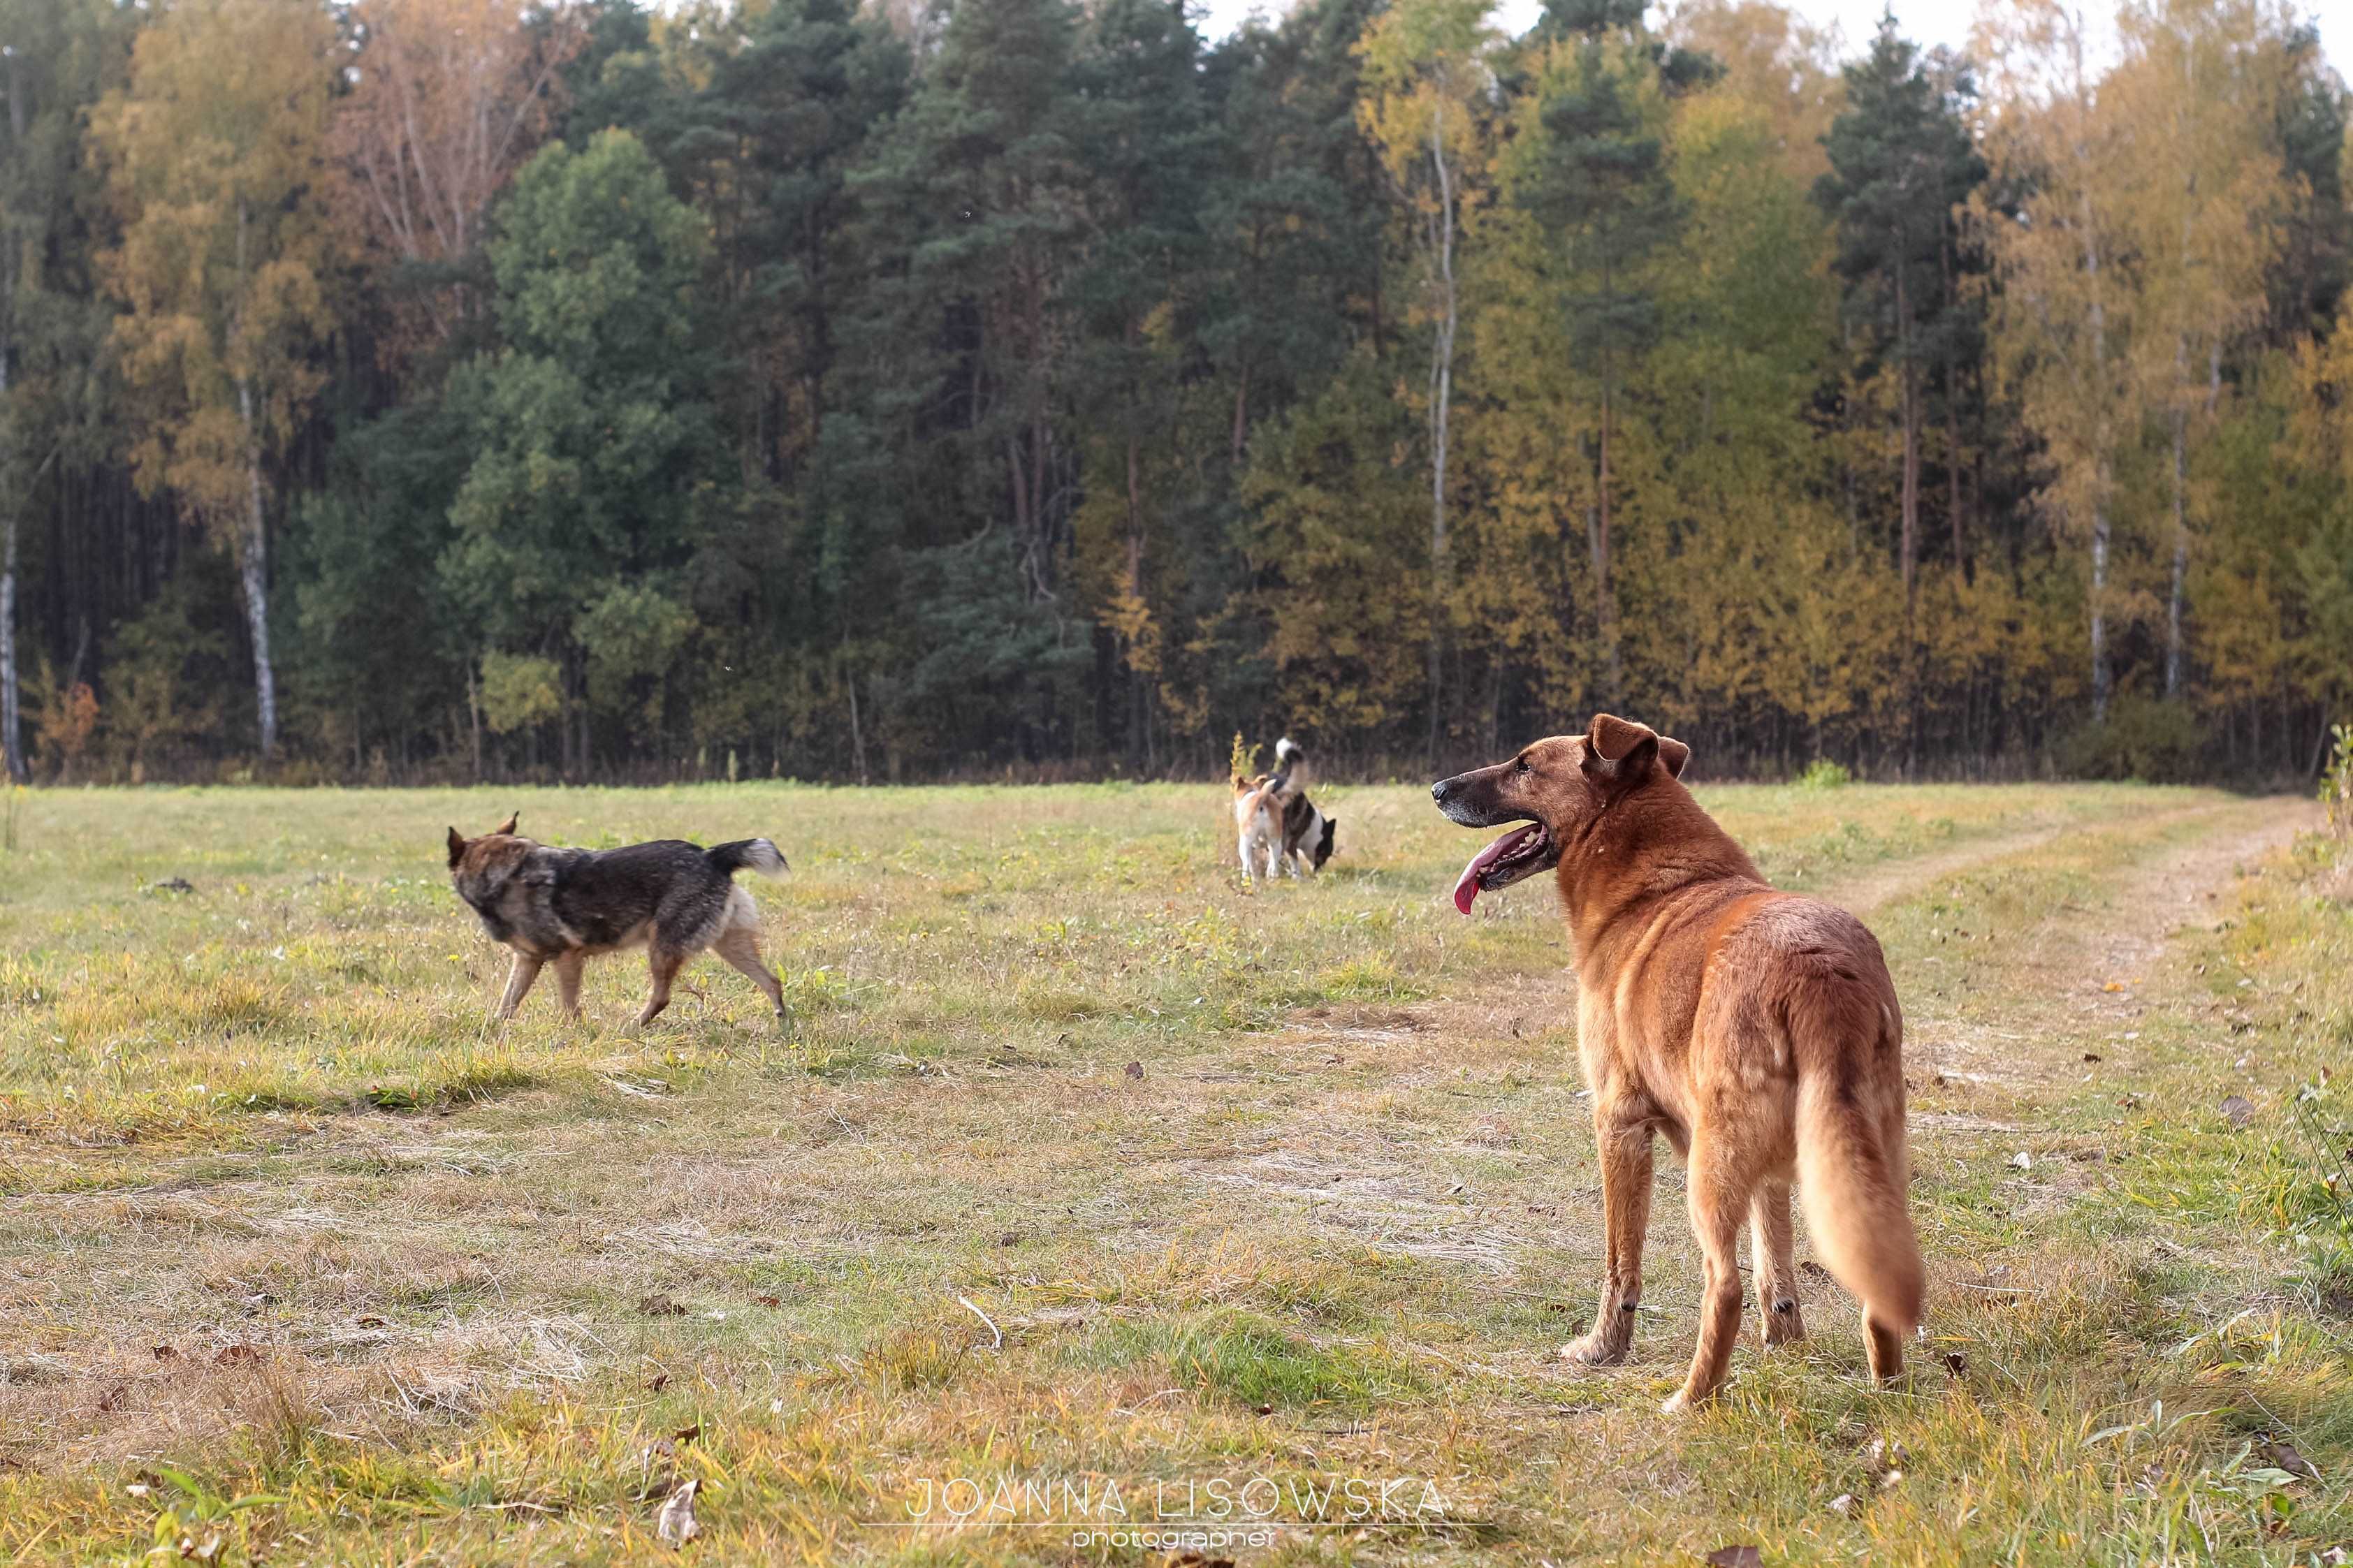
pixel 11 735
pixel 2180 554
pixel 857 731
pixel 1605 596
pixel 12 750
pixel 2098 389
pixel 1441 386
pixel 1908 549
pixel 2099 611
pixel 1242 415
pixel 253 567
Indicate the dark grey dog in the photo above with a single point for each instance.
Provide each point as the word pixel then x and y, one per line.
pixel 565 906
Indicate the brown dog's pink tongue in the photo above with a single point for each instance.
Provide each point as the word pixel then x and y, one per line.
pixel 1466 887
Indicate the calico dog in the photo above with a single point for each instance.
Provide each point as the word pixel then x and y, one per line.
pixel 565 906
pixel 1275 824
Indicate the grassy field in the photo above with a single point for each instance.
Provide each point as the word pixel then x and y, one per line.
pixel 1088 1188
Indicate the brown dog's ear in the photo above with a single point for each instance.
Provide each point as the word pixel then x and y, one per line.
pixel 1619 751
pixel 1675 753
pixel 508 826
pixel 456 847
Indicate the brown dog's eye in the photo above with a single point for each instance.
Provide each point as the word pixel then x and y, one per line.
pixel 1522 764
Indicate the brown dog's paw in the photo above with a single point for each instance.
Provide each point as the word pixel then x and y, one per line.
pixel 1593 1350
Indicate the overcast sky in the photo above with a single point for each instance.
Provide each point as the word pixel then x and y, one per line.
pixel 1924 21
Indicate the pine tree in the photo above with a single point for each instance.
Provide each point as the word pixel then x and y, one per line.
pixel 590 432
pixel 1902 159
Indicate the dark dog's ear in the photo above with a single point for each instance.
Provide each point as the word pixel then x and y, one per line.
pixel 1675 753
pixel 456 847
pixel 1620 752
pixel 508 826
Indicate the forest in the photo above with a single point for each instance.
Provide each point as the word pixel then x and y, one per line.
pixel 401 391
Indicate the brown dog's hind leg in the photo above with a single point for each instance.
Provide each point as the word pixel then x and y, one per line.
pixel 567 983
pixel 1721 1189
pixel 1625 1148
pixel 740 946
pixel 665 967
pixel 519 979
pixel 1770 1252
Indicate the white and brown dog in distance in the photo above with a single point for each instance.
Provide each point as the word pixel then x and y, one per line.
pixel 1275 825
pixel 1758 1031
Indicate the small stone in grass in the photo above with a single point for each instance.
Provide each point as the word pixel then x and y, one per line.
pixel 660 1306
pixel 1736 1557
pixel 2237 1111
pixel 1135 1070
pixel 1843 1504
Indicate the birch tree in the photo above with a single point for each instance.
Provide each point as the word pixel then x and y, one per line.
pixel 1425 73
pixel 215 164
pixel 2061 317
pixel 2200 194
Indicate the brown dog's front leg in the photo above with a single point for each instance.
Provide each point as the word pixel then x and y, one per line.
pixel 519 979
pixel 1625 1220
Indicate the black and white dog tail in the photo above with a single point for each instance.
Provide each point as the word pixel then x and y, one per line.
pixel 757 854
pixel 1290 767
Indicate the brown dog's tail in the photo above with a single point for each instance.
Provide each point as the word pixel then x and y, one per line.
pixel 1851 1180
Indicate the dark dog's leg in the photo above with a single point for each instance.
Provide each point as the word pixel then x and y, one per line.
pixel 1721 1184
pixel 1769 1250
pixel 665 966
pixel 519 979
pixel 567 982
pixel 740 946
pixel 1625 1146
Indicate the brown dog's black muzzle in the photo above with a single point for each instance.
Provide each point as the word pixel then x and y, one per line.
pixel 1474 800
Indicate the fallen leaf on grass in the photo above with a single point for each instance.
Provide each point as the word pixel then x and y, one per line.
pixel 1195 1560
pixel 165 1352
pixel 1736 1557
pixel 769 1300
pixel 371 1321
pixel 676 1524
pixel 2022 1160
pixel 1956 1364
pixel 1135 1070
pixel 234 1355
pixel 659 1382
pixel 2284 1455
pixel 111 1400
pixel 2091 1056
pixel 659 1306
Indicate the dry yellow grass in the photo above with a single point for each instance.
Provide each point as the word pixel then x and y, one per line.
pixel 437 1293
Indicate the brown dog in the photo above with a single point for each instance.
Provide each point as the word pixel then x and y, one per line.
pixel 1758 1030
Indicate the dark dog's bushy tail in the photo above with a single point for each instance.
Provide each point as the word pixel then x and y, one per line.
pixel 756 853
